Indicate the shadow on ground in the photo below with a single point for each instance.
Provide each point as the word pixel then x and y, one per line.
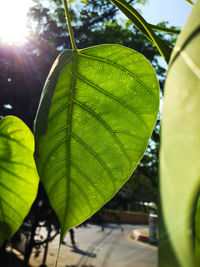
pixel 82 252
pixel 79 265
pixel 10 259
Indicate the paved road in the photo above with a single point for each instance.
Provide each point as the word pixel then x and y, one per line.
pixel 111 248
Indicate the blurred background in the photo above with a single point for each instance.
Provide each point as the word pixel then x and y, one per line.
pixel 32 34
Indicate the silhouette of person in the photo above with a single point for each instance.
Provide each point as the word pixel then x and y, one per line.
pixel 71 232
pixel 72 237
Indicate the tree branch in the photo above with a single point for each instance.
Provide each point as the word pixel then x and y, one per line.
pixel 46 240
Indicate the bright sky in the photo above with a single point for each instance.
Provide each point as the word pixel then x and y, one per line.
pixel 174 11
pixel 13 20
pixel 13 16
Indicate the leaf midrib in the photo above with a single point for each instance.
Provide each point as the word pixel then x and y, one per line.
pixel 69 120
pixel 70 135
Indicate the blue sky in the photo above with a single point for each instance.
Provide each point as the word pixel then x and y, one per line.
pixel 174 11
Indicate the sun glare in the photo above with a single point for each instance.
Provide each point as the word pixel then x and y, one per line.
pixel 13 20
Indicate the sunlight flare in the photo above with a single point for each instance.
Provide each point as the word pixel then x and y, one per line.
pixel 13 20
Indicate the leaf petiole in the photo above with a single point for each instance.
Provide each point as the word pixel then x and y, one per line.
pixel 73 43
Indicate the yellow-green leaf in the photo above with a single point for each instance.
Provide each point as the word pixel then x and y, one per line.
pixel 18 175
pixel 97 112
pixel 180 164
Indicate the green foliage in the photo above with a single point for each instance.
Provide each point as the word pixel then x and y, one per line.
pixel 97 112
pixel 196 226
pixel 26 67
pixel 18 175
pixel 181 141
pixel 144 27
pixel 190 2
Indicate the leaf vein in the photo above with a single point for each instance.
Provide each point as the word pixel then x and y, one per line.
pixel 121 68
pixel 106 126
pixel 15 211
pixel 112 97
pixel 131 134
pixel 58 132
pixel 12 192
pixel 15 141
pixel 83 193
pixel 51 153
pixel 17 176
pixel 96 157
pixel 54 184
pixel 69 119
pixel 18 163
pixel 58 112
pixel 60 97
pixel 89 181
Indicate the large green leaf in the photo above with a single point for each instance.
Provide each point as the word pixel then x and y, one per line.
pixel 197 232
pixel 180 163
pixel 18 175
pixel 97 111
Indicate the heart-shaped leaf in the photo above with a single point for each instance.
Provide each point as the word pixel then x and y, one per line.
pixel 180 164
pixel 97 111
pixel 18 175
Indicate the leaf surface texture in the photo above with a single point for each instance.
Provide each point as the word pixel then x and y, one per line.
pixel 180 164
pixel 18 175
pixel 97 112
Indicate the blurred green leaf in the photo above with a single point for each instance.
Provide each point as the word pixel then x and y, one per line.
pixel 180 164
pixel 190 2
pixel 144 27
pixel 164 29
pixel 18 175
pixel 197 232
pixel 97 112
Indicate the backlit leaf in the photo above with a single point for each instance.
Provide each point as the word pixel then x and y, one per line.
pixel 97 112
pixel 18 175
pixel 180 163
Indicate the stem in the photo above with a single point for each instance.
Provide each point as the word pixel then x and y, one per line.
pixel 58 253
pixel 163 29
pixel 46 247
pixel 144 27
pixel 69 26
